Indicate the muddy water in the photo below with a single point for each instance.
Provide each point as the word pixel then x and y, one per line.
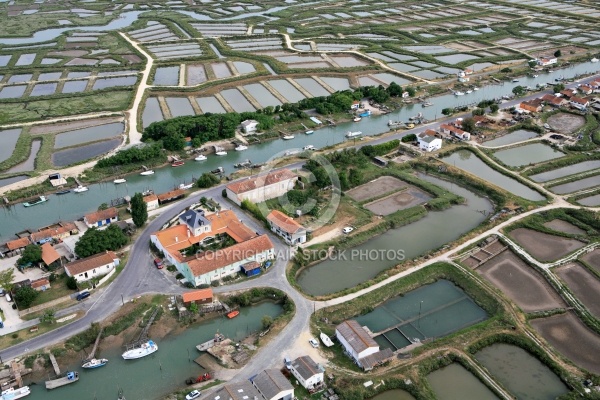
pixel 91 134
pixel 528 154
pixel 76 154
pixel 428 233
pixel 155 376
pixel 9 139
pixel 522 374
pixel 312 87
pixel 591 201
pixel 152 112
pixel 469 162
pixel 210 105
pixel 454 382
pixel 510 138
pixel 575 186
pixel 396 394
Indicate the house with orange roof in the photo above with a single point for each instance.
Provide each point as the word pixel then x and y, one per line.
pixel 101 217
pixel 40 284
pixel 93 266
pixel 262 187
pixel 291 231
pixel 49 254
pixel 554 101
pixel 63 230
pixel 200 296
pixel 579 103
pixel 18 244
pixel 171 196
pixel 531 106
pixel 151 201
pixel 454 131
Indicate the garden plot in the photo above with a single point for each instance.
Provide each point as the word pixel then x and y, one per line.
pixel 566 123
pixel 376 188
pixel 179 106
pixel 89 134
pixel 336 47
pixel 520 282
pixel 397 56
pixel 543 246
pixel 167 76
pixel 218 30
pixel 569 336
pixel 566 171
pixel 19 78
pixel 584 284
pixel 152 112
pixel 169 51
pixel 576 186
pixel 155 31
pixel 560 225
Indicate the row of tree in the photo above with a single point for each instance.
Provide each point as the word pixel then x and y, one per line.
pixel 132 155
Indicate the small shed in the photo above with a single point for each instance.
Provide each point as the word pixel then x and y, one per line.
pixel 380 161
pixel 251 269
pixel 200 296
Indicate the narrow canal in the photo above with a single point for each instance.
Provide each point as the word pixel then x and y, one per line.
pixel 73 206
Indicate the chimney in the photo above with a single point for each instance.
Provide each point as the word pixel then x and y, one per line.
pixel 176 239
pixel 188 233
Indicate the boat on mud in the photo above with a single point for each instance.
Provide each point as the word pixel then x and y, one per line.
pixel 144 350
pixel 63 192
pixel 177 163
pixel 38 200
pixel 218 170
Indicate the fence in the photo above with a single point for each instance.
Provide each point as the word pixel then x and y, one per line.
pixel 44 306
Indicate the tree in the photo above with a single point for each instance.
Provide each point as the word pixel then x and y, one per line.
pixel 194 308
pixel 518 90
pixel 532 63
pixel 411 137
pixel 266 321
pixel 207 180
pixel 494 108
pixel 31 255
pixel 411 91
pixel 468 125
pixel 72 283
pixel 557 53
pixel 478 111
pixel 25 295
pixel 559 87
pixel 103 207
pixel 6 278
pixel 447 111
pixel 95 241
pixel 506 70
pixel 49 316
pixel 355 177
pixel 139 210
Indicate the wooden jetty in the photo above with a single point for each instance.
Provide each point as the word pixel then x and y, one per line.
pixel 54 364
pixel 96 343
pixel 17 373
pixel 70 377
pixel 143 337
pixel 207 345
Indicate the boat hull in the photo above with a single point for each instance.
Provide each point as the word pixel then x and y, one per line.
pixel 117 181
pixel 140 352
pixel 95 363
pixel 14 394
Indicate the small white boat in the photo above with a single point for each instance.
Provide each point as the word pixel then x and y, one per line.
pixel 241 147
pixel 326 340
pixel 309 147
pixel 144 350
pixel 356 119
pixel 201 157
pixel 120 180
pixel 80 189
pixel 469 91
pixel 535 76
pixel 594 60
pixel 186 187
pixel 94 363
pixel 515 80
pixel 475 88
pixel 13 394
pixel 288 137
pixel 459 93
pixel 353 134
pixel 146 173
pixel 310 132
pixel 221 153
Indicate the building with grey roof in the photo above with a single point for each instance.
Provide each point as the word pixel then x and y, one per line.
pixel 196 221
pixel 243 390
pixel 273 385
pixel 307 372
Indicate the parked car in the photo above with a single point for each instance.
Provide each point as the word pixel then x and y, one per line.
pixel 83 295
pixel 8 298
pixel 193 395
pixel 348 229
pixel 287 362
pixel 159 263
pixel 313 342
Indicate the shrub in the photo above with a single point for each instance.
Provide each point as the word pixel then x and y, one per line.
pixel 72 283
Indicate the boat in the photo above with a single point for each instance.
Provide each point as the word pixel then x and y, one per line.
pixel 94 363
pixel 146 173
pixel 535 76
pixel 309 132
pixel 288 137
pixel 475 88
pixel 365 114
pixel 70 377
pixel 395 124
pixel 39 200
pixel 183 186
pixel 594 60
pixel 291 152
pixel 469 91
pixel 459 93
pixel 144 350
pixel 63 192
pixel 80 189
pixel 217 171
pixel 221 153
pixel 201 157
pixel 356 119
pixel 350 134
pixel 243 164
pixel 120 180
pixel 177 163
pixel 427 104
pixel 326 339
pixel 515 80
pixel 309 147
pixel 233 314
pixel 241 147
pixel 13 394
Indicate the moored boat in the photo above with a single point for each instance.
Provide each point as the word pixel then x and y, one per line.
pixel 144 350
pixel 39 200
pixel 365 114
pixel 120 180
pixel 146 173
pixel 350 134
pixel 94 363
pixel 326 339
pixel 221 153
pixel 177 163
pixel 201 157
pixel 13 394
pixel 233 314
pixel 80 189
pixel 309 132
pixel 63 192
pixel 594 60
pixel 218 170
pixel 469 91
pixel 183 186
pixel 356 119
pixel 309 147
pixel 459 93
pixel 70 377
pixel 427 104
pixel 288 137
pixel 241 147
pixel 475 88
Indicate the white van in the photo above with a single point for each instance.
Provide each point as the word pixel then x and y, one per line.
pixel 8 298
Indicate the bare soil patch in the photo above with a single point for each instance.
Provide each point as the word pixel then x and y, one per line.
pixel 584 284
pixel 567 334
pixel 69 126
pixel 560 225
pixel 566 123
pixel 132 58
pixel 593 259
pixel 543 246
pixel 407 198
pixel 376 188
pixel 520 282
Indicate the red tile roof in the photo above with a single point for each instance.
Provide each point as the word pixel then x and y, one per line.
pixel 18 243
pixel 101 215
pixel 53 232
pixel 89 263
pixel 40 282
pixel 247 185
pixel 212 261
pixel 150 198
pixel 579 100
pixel 284 222
pixel 173 194
pixel 195 295
pixel 49 254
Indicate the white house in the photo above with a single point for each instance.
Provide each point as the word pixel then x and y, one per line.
pixel 356 340
pixel 454 131
pixel 545 61
pixel 93 266
pixel 273 385
pixel 262 187
pixel 151 202
pixel 101 218
pixel 428 141
pixel 579 103
pixel 291 231
pixel 307 372
pixel 249 126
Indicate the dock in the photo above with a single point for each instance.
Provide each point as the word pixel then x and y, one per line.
pixel 207 345
pixel 143 334
pixel 54 364
pixel 71 377
pixel 93 352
